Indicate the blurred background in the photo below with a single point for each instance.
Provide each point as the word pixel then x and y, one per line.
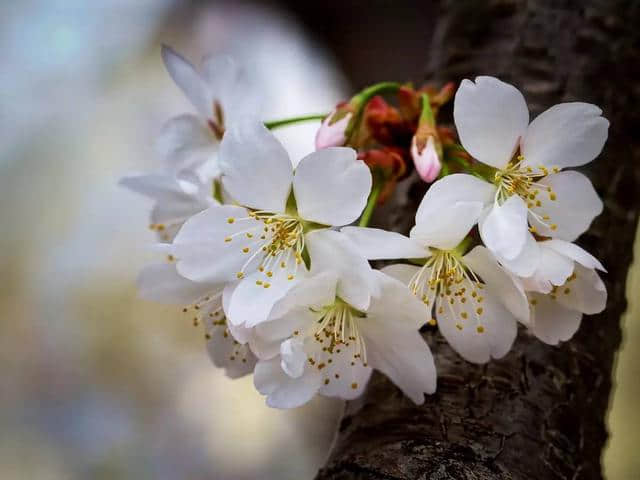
pixel 96 383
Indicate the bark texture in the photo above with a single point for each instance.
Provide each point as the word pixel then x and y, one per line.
pixel 539 413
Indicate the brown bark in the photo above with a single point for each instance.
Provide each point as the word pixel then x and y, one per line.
pixel 539 412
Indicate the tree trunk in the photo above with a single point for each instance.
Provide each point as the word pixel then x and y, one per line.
pixel 538 413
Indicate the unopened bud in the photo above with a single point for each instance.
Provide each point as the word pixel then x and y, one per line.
pixel 332 132
pixel 426 158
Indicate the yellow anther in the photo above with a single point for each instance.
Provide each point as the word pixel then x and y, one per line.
pixel 245 250
pixel 269 274
pixel 239 275
pixel 231 220
pixel 480 329
pixel 552 196
pixel 290 277
pixel 228 239
pixel 459 326
pixel 354 385
pixel 258 282
pixel 432 322
pixel 479 310
pixel 553 226
pixel 266 285
pixel 464 315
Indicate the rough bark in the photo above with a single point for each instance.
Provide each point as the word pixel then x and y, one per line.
pixel 539 413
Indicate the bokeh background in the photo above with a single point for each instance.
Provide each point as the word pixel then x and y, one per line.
pixel 94 382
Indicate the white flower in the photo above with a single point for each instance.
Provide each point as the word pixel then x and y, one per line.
pixel 326 345
pixel 220 93
pixel 284 216
pixel 176 200
pixel 474 301
pixel 564 286
pixel 202 303
pixel 528 187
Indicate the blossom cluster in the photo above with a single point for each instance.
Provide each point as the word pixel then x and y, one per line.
pixel 264 253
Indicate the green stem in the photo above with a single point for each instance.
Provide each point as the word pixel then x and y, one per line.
pixel 371 204
pixel 426 116
pixel 293 120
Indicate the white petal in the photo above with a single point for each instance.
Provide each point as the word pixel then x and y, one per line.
pixel 293 357
pixel 550 321
pixel 490 117
pixel 333 251
pixel 585 293
pixel 378 244
pixel 317 291
pixel 499 329
pixel 331 186
pixel 251 303
pixel 225 352
pixel 574 252
pixel 553 269
pixel 462 197
pixel 231 86
pixel 394 344
pixel 160 282
pixel 186 142
pixel 256 170
pixel 498 282
pixel 188 79
pixel 401 272
pixel 281 390
pixel 504 229
pixel 566 135
pixel 447 230
pixel 574 207
pixel 527 261
pixel 402 355
pixel 201 249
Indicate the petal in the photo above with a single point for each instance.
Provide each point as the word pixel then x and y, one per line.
pixel 378 244
pixel 315 291
pixel 443 196
pixel 332 134
pixel 394 344
pixel 293 357
pixel 281 390
pixel 401 272
pixel 203 252
pixel 186 142
pixel 498 282
pixel 504 229
pixel 574 252
pixel 550 321
pixel 333 251
pixel 331 186
pixel 574 206
pixel 553 269
pixel 494 340
pixel 584 291
pixel 527 261
pixel 396 301
pixel 188 79
pixel 160 282
pixel 490 117
pixel 445 231
pixel 231 86
pixel 252 301
pixel 256 170
pixel 402 355
pixel 225 352
pixel 566 135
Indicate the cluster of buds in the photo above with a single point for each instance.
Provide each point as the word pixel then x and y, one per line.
pixel 392 137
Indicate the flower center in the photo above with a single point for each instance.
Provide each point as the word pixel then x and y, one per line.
pixel 274 240
pixel 523 181
pixel 448 285
pixel 337 326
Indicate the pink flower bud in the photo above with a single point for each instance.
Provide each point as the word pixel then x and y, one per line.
pixel 426 160
pixel 332 134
